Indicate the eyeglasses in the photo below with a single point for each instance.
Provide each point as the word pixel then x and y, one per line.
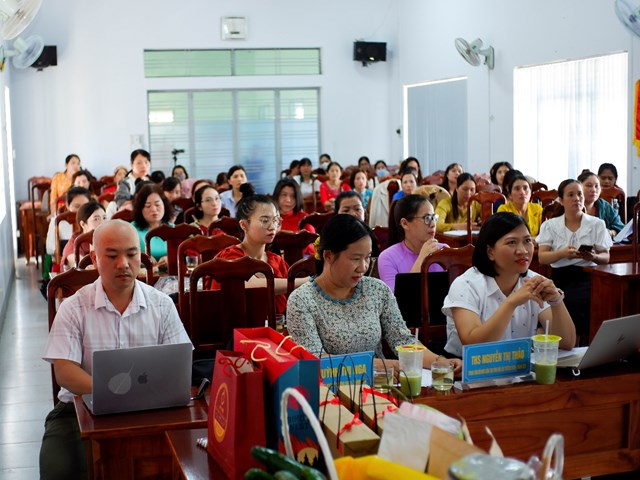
pixel 266 222
pixel 430 218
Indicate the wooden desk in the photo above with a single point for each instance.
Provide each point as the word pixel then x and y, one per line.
pixel 621 253
pixel 615 292
pixel 133 445
pixel 598 415
pixel 190 461
pixel 456 241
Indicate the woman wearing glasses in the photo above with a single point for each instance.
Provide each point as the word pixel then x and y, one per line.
pixel 208 206
pixel 412 229
pixel 260 221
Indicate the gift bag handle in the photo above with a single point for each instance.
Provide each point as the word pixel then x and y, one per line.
pixel 315 424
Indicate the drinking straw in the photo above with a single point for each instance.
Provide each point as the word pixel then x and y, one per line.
pixel 416 341
pixel 546 330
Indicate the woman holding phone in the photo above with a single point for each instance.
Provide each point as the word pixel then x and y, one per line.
pixel 570 242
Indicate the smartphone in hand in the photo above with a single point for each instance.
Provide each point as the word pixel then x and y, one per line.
pixel 585 248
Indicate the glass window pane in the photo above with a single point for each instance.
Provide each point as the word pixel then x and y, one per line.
pixel 571 115
pixel 213 133
pixel 277 62
pixel 299 122
pixel 187 63
pixel 256 137
pixel 168 128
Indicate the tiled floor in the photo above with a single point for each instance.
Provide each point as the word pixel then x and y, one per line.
pixel 25 379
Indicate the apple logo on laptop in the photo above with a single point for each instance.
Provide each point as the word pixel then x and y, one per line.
pixel 142 378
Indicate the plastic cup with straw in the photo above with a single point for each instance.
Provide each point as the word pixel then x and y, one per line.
pixel 545 351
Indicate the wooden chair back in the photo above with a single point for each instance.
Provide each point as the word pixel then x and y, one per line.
pixel 311 202
pixel 107 179
pixel 486 201
pixel 489 187
pixel 228 225
pixel 544 197
pixel 206 248
pixel 37 193
pixel 106 198
pixel 82 239
pixel 174 236
pixel 69 217
pixel 60 287
pixel 382 237
pixel 535 186
pixel 183 203
pixel 60 204
pixel 213 314
pixel 126 215
pixel 434 179
pixel 305 267
pixel 316 220
pixel 292 244
pixel 616 194
pixel 96 186
pixel 455 261
pixel 392 189
pixel 189 215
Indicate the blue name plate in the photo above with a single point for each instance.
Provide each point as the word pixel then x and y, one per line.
pixel 349 368
pixel 484 361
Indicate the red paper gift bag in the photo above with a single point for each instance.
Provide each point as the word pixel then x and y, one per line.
pixel 285 364
pixel 236 412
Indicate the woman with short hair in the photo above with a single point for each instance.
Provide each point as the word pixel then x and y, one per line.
pixel 499 298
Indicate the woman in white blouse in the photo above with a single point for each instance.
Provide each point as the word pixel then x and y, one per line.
pixel 499 298
pixel 570 242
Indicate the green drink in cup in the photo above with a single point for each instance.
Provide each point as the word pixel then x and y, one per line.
pixel 410 374
pixel 545 357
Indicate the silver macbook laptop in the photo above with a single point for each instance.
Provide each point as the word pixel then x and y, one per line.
pixel 141 378
pixel 615 340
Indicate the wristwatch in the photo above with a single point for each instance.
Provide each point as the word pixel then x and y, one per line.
pixel 557 302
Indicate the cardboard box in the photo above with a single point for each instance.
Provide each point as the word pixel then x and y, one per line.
pixel 346 434
pixel 369 404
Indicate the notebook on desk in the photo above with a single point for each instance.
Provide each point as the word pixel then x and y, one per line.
pixel 140 378
pixel 616 339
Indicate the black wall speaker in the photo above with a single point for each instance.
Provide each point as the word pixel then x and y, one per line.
pixel 368 52
pixel 48 58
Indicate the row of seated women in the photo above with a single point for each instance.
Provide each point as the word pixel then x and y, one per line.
pixel 151 205
pixel 412 240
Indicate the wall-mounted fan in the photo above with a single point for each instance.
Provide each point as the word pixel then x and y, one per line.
pixel 472 52
pixel 17 15
pixel 24 52
pixel 629 15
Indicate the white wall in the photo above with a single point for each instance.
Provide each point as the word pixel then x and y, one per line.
pixel 96 97
pixel 522 33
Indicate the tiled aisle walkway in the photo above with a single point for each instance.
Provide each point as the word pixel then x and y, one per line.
pixel 25 379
